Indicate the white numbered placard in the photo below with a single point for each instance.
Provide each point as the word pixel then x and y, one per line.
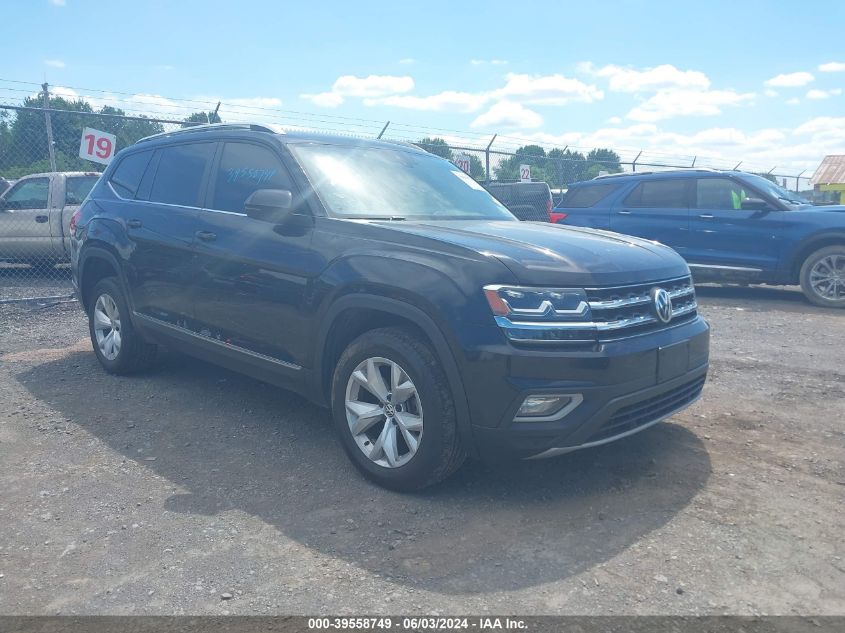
pixel 97 146
pixel 462 162
pixel 525 173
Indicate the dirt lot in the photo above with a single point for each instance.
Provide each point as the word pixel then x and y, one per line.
pixel 195 490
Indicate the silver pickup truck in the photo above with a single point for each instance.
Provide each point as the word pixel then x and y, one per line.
pixel 35 215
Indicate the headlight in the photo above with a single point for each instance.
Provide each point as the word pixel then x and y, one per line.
pixel 541 314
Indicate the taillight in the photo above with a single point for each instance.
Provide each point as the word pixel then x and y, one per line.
pixel 555 217
pixel 74 220
pixel 549 210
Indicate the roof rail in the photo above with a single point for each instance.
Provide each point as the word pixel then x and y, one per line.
pixel 209 126
pixel 664 171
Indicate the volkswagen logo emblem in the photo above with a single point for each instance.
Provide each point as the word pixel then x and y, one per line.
pixel 662 302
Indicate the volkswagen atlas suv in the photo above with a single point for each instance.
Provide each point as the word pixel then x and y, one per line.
pixel 729 225
pixel 384 283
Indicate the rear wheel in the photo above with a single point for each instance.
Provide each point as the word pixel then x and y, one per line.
pixel 823 277
pixel 119 348
pixel 393 409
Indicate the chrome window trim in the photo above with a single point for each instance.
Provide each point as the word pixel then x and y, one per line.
pixel 743 269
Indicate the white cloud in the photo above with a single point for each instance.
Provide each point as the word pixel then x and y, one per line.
pixel 770 93
pixel 823 94
pixel 793 101
pixel 547 89
pixel 832 67
pixel 407 60
pixel 663 77
pixel 672 103
pixel 54 63
pixel 508 114
pixel 492 62
pixel 446 101
pixel 371 86
pixel 615 120
pixel 789 80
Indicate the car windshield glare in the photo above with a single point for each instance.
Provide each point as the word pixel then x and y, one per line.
pixel 372 182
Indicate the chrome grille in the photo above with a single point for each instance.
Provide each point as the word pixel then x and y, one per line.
pixel 625 310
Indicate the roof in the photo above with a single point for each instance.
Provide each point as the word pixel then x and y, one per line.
pixel 831 171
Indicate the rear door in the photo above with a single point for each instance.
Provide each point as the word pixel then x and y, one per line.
pixel 160 222
pixel 725 235
pixel 25 221
pixel 251 274
pixel 656 209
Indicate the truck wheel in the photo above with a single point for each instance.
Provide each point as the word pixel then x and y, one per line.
pixel 823 277
pixel 119 348
pixel 393 409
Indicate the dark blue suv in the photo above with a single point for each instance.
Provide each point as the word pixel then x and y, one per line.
pixel 728 225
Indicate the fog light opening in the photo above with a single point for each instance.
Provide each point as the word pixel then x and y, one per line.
pixel 547 407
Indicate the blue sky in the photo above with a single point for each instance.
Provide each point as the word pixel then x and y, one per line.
pixel 756 81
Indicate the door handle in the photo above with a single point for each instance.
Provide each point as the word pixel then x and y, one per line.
pixel 41 219
pixel 134 224
pixel 706 216
pixel 206 236
pixel 624 212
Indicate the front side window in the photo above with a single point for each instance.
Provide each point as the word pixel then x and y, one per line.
pixel 180 172
pixel 127 177
pixel 364 181
pixel 29 194
pixel 656 194
pixel 244 169
pixel 719 193
pixel 77 187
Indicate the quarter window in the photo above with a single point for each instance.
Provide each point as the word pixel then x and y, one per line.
pixel 719 193
pixel 659 194
pixel 29 194
pixel 587 196
pixel 180 172
pixel 244 169
pixel 127 177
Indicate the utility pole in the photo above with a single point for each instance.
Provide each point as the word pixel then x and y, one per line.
pixel 487 157
pixel 46 95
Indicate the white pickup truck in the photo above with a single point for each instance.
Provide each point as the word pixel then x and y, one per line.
pixel 35 215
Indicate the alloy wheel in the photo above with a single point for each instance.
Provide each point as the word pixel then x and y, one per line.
pixel 827 277
pixel 384 412
pixel 107 326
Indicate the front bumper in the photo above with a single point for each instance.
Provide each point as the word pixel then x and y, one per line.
pixel 626 385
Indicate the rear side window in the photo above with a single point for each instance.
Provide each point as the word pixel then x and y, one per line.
pixel 587 196
pixel 179 175
pixel 77 188
pixel 245 168
pixel 127 176
pixel 659 193
pixel 719 193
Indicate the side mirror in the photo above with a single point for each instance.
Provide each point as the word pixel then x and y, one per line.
pixel 755 204
pixel 270 205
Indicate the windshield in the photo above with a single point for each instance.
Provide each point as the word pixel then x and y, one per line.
pixel 384 183
pixel 776 191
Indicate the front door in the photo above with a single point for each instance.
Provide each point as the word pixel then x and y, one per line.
pixel 25 222
pixel 252 274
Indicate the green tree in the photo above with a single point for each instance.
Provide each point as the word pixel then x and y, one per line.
pixel 476 169
pixel 202 117
pixel 532 155
pixel 601 159
pixel 436 146
pixel 565 167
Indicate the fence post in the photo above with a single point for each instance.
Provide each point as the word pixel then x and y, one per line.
pixel 634 164
pixel 487 157
pixel 797 178
pixel 383 130
pixel 46 94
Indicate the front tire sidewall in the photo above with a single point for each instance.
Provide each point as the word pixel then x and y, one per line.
pixel 417 472
pixel 807 287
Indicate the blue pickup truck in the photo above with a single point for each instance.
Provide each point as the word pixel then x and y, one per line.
pixel 728 225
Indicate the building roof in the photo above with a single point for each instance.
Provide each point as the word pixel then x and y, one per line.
pixel 831 171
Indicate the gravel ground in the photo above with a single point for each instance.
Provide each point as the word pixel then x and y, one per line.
pixel 194 490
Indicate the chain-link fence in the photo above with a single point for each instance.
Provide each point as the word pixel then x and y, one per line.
pixel 43 176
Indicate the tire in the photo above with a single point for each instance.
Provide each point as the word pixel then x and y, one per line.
pixel 438 452
pixel 828 262
pixel 132 353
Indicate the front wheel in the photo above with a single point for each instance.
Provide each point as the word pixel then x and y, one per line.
pixel 394 412
pixel 823 277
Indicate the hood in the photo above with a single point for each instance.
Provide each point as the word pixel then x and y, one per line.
pixel 540 253
pixel 835 208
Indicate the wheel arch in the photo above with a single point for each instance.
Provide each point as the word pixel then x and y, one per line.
pixel 353 315
pixel 97 262
pixel 810 246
